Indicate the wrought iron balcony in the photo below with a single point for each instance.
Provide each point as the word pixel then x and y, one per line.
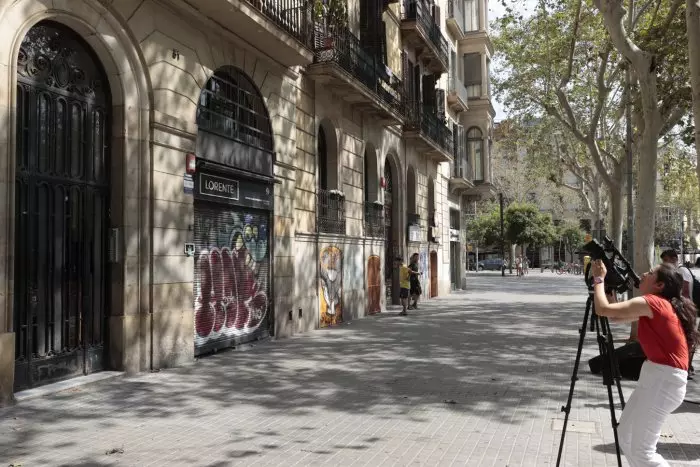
pixel 457 97
pixel 283 28
pixel 293 16
pixel 429 134
pixel 330 213
pixel 357 76
pixel 374 220
pixel 455 18
pixel 420 31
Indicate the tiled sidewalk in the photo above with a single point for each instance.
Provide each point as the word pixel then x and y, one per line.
pixel 475 379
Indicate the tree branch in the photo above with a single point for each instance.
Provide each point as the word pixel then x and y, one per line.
pixel 602 90
pixel 670 17
pixel 572 48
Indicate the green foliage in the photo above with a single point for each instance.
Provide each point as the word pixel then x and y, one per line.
pixel 486 228
pixel 525 224
pixel 572 236
pixel 333 12
pixel 679 181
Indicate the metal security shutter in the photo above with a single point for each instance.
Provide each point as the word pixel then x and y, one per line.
pixel 231 276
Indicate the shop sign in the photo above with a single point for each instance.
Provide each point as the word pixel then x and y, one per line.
pixel 219 187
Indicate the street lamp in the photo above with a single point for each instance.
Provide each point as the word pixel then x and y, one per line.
pixel 503 240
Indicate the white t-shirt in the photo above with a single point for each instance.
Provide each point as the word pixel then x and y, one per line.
pixel 689 279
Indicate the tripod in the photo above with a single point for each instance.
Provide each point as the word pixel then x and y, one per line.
pixel 611 370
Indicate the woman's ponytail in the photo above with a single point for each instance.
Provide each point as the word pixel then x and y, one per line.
pixel 685 309
pixel 687 315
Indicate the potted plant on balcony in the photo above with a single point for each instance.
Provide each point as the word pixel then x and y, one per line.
pixel 332 16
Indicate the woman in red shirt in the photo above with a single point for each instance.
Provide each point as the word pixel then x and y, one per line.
pixel 666 333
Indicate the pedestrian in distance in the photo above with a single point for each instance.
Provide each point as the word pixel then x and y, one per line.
pixel 414 280
pixel 667 332
pixel 404 284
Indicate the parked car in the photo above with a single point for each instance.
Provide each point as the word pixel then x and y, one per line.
pixel 491 264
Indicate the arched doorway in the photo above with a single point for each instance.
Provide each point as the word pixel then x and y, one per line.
pixel 233 205
pixel 62 188
pixel 433 274
pixel 391 239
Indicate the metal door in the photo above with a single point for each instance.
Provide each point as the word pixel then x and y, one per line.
pixel 433 274
pixel 232 276
pixel 389 247
pixel 61 208
pixel 374 284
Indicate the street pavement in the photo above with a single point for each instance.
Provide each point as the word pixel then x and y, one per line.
pixel 477 378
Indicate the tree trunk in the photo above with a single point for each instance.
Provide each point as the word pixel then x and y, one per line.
pixel 692 17
pixel 598 215
pixel 616 214
pixel 645 206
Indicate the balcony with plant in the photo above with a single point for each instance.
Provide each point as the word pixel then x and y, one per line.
pixel 354 72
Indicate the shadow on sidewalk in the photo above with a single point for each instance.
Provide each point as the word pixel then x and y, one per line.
pixel 471 352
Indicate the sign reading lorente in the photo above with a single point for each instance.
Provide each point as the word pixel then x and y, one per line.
pixel 212 185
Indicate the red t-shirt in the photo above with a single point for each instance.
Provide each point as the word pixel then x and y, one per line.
pixel 662 337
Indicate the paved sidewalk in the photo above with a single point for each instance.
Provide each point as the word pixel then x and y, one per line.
pixel 474 379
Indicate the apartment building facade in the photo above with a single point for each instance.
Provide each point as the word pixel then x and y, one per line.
pixel 187 176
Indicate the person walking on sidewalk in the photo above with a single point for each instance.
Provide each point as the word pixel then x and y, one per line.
pixel 404 283
pixel 414 280
pixel 667 331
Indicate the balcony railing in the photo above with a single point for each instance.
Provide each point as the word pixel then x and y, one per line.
pixel 456 14
pixel 425 119
pixel 419 11
pixel 293 16
pixel 374 220
pixel 342 47
pixel 330 216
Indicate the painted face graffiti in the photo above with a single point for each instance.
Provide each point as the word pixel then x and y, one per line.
pixel 230 298
pixel 331 274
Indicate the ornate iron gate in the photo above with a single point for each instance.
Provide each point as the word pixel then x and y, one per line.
pixel 389 254
pixel 232 276
pixel 61 208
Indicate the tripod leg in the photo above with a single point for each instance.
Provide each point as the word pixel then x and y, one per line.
pixel 611 372
pixel 574 376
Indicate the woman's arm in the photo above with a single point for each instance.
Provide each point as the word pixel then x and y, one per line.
pixel 625 312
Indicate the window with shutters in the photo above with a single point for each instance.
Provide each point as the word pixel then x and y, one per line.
pixel 472 75
pixel 440 105
pixel 475 152
pixel 429 95
pixel 471 15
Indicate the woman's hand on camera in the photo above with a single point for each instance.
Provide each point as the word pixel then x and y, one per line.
pixel 598 269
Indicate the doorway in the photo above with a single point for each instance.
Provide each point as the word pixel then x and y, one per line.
pixel 62 188
pixel 433 274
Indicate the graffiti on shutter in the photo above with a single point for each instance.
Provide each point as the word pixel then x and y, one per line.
pixel 231 276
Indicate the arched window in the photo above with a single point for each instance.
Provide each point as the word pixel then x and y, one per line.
pixel 475 152
pixel 231 106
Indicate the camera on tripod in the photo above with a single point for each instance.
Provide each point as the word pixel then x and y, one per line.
pixel 620 277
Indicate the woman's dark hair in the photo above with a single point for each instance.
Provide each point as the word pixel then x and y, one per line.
pixel 697 263
pixel 685 309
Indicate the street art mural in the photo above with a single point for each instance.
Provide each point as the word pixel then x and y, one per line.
pixel 374 284
pixel 423 266
pixel 231 274
pixel 331 286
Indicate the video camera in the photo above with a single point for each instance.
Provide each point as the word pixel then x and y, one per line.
pixel 620 277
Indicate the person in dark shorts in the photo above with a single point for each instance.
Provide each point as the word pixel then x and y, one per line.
pixel 404 283
pixel 414 280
